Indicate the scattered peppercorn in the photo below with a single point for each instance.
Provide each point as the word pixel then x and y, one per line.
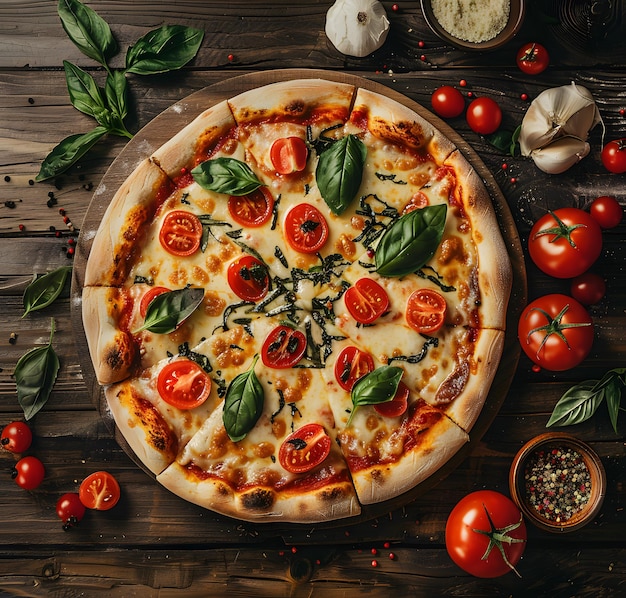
pixel 7 179
pixel 9 204
pixel 31 101
pixel 12 338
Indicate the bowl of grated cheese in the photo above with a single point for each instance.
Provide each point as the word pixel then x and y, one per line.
pixel 475 24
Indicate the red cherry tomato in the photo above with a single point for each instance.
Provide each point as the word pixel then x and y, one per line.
pixel 588 288
pixel 248 278
pixel 99 491
pixel 366 300
pixel 447 101
pixel 283 348
pixel 70 510
pixel 306 228
pixel 614 156
pixel 181 233
pixel 606 211
pixel 28 473
pixel 351 365
pixel 556 332
pixel 148 297
pixel 254 209
pixel 304 449
pixel 533 58
pixel 16 437
pixel 565 243
pixel 425 311
pixel 184 384
pixel 483 116
pixel 289 155
pixel 398 405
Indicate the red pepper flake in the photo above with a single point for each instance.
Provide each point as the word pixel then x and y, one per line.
pixel 524 96
pixel 231 57
pixel 70 252
pixel 294 550
pixel 513 180
pixel 386 544
pixel 622 111
pixel 392 556
pixel 395 7
pixel 423 57
pixel 21 227
pixel 374 563
pixel 463 83
pixel 536 368
pixel 470 94
pixel 374 551
pixel 421 44
pixel 504 165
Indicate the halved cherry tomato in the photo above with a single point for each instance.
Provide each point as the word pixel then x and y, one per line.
pixel 351 365
pixel 304 449
pixel 99 491
pixel 306 228
pixel 183 384
pixel 28 473
pixel 16 437
pixel 532 58
pixel 283 348
pixel 254 209
pixel 148 297
pixel 398 405
pixel 425 311
pixel 366 300
pixel 289 154
pixel 181 233
pixel 248 278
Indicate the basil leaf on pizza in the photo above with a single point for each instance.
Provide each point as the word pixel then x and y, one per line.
pixel 168 310
pixel 243 404
pixel 379 386
pixel 226 175
pixel 339 172
pixel 410 241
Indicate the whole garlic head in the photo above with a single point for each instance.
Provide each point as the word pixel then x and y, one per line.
pixel 357 27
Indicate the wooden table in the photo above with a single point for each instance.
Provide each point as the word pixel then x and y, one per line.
pixel 153 543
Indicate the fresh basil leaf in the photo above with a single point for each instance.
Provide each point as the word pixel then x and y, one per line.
pixel 89 32
pixel 613 394
pixel 116 91
pixel 35 373
pixel 85 94
pixel 410 241
pixel 226 175
pixel 379 386
pixel 43 290
pixel 339 172
pixel 168 310
pixel 576 405
pixel 164 49
pixel 243 404
pixel 68 152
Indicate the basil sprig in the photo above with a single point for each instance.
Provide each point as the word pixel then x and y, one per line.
pixel 410 241
pixel 379 386
pixel 243 404
pixel 43 290
pixel 226 175
pixel 339 172
pixel 168 310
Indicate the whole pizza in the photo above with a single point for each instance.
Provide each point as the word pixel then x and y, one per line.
pixel 297 305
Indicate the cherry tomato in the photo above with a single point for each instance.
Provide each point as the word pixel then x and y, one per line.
pixel 606 211
pixel 16 437
pixel 556 332
pixel 366 300
pixel 306 228
pixel 351 365
pixel 148 297
pixel 304 449
pixel 254 209
pixel 398 405
pixel 425 311
pixel 447 101
pixel 472 530
pixel 533 58
pixel 484 116
pixel 614 156
pixel 283 348
pixel 70 510
pixel 183 384
pixel 99 491
pixel 588 288
pixel 289 155
pixel 565 243
pixel 248 278
pixel 181 233
pixel 28 473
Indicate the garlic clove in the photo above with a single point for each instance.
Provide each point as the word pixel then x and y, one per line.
pixel 561 154
pixel 357 27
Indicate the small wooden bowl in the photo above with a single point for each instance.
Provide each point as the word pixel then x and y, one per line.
pixel 516 19
pixel 521 490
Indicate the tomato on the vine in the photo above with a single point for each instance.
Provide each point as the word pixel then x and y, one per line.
pixel 614 156
pixel 248 278
pixel 289 155
pixel 366 300
pixel 16 437
pixel 253 209
pixel 70 510
pixel 304 449
pixel 283 347
pixel 606 211
pixel 532 58
pixel 484 116
pixel 447 101
pixel 565 243
pixel 306 228
pixel 351 365
pixel 183 384
pixel 474 533
pixel 181 233
pixel 28 473
pixel 99 491
pixel 588 288
pixel 556 332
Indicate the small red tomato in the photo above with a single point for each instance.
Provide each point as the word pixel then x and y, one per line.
pixel 533 58
pixel 183 384
pixel 248 278
pixel 306 228
pixel 289 155
pixel 304 449
pixel 283 348
pixel 99 491
pixel 484 116
pixel 588 288
pixel 28 473
pixel 70 510
pixel 253 209
pixel 151 294
pixel 16 437
pixel 606 211
pixel 181 233
pixel 351 365
pixel 425 311
pixel 398 405
pixel 366 300
pixel 447 101
pixel 614 156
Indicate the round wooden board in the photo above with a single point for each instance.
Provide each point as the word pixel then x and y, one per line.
pixel 172 120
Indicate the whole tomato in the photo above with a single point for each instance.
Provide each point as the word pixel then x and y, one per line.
pixel 556 332
pixel 614 156
pixel 532 58
pixel 484 116
pixel 447 101
pixel 565 243
pixel 475 530
pixel 606 211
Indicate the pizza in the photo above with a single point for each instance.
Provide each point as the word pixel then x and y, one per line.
pixel 296 306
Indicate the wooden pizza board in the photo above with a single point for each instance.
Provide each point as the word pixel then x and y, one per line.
pixel 172 120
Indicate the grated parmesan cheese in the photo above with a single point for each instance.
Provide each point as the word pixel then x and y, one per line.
pixel 472 20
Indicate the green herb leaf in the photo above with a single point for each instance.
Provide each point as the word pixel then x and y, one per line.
pixel 410 241
pixel 116 91
pixel 379 386
pixel 85 94
pixel 226 175
pixel 243 404
pixel 43 290
pixel 168 310
pixel 339 172
pixel 164 49
pixel 35 374
pixel 613 394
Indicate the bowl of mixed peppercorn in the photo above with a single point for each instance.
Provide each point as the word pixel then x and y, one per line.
pixel 558 482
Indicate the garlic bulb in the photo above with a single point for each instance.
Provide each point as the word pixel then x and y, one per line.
pixel 556 126
pixel 357 27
